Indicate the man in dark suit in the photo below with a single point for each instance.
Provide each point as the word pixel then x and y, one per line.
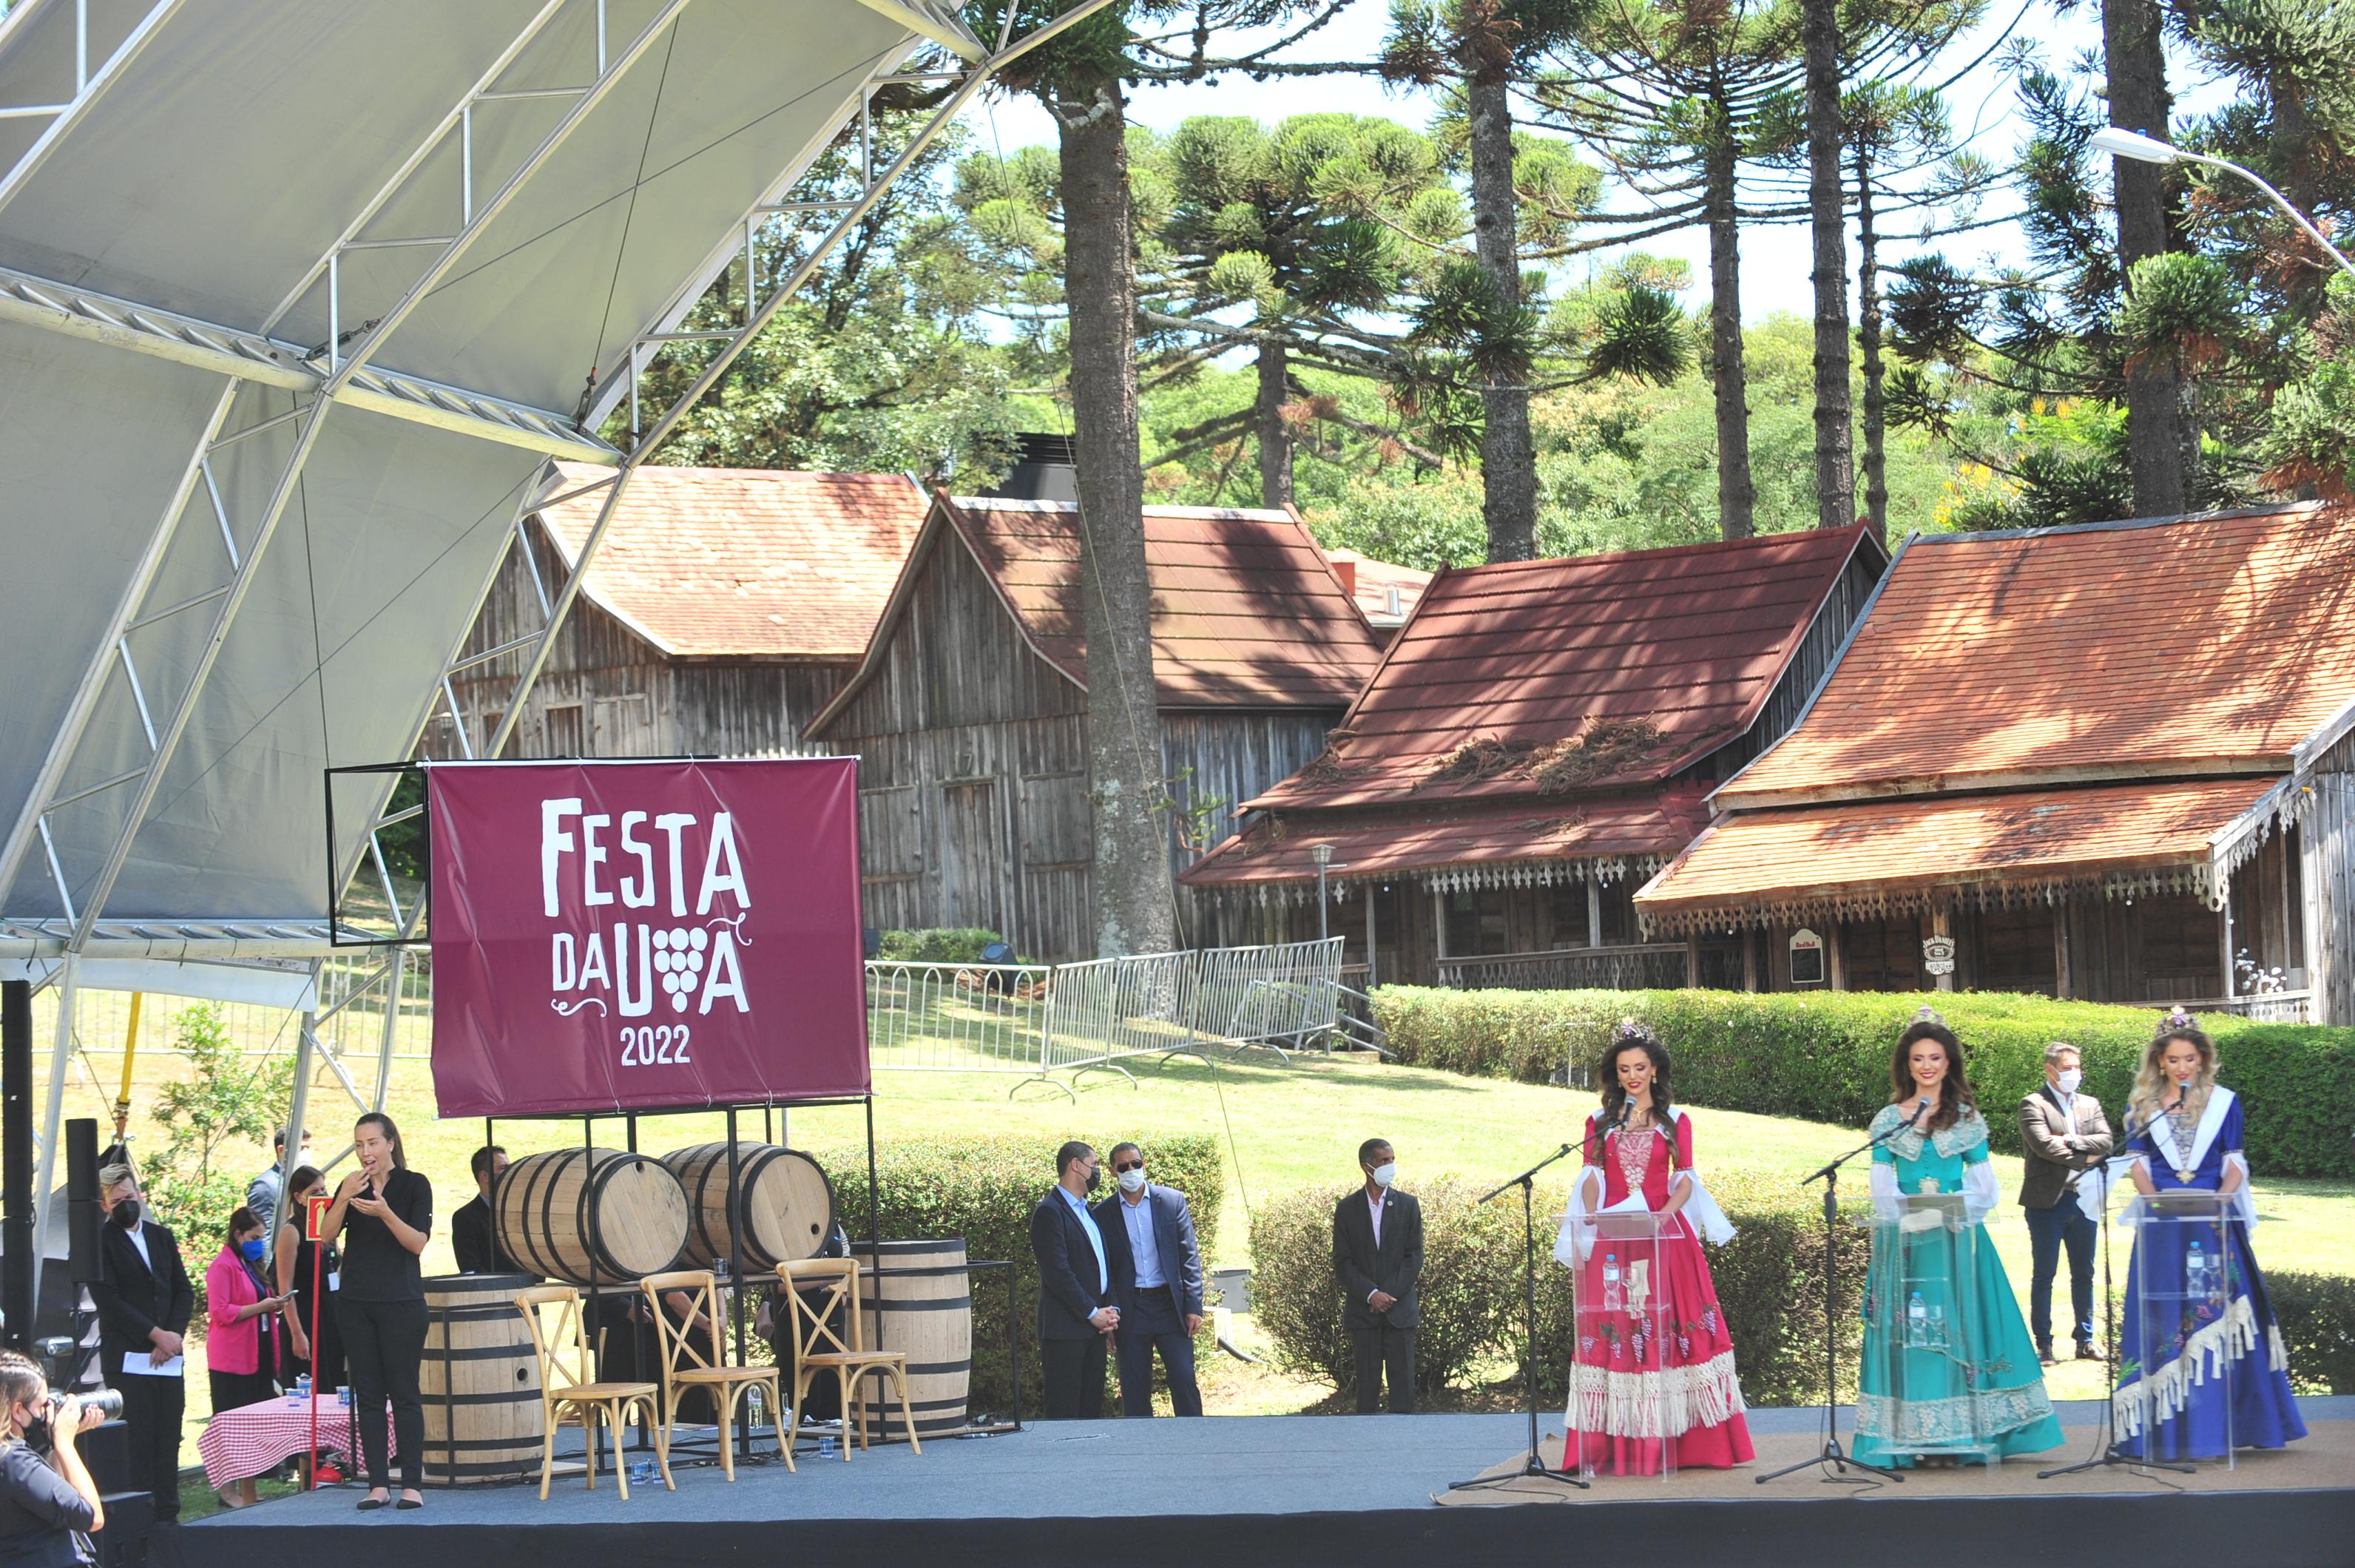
pixel 1157 1281
pixel 1075 1311
pixel 145 1302
pixel 2063 1134
pixel 473 1235
pixel 1378 1257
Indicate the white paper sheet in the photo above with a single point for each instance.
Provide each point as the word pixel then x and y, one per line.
pixel 137 1364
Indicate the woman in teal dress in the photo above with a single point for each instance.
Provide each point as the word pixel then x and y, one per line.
pixel 1949 1373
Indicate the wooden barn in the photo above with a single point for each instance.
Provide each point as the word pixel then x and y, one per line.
pixel 2113 762
pixel 724 608
pixel 968 712
pixel 1537 742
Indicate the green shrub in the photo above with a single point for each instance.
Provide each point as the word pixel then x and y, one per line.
pixel 1769 1282
pixel 1824 1056
pixel 946 944
pixel 1470 1284
pixel 2316 1312
pixel 984 1190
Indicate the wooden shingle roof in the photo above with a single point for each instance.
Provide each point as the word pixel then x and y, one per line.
pixel 1864 857
pixel 2205 645
pixel 1644 660
pixel 743 562
pixel 1247 612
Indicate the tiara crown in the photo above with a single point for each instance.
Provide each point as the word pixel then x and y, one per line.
pixel 1927 1014
pixel 1628 1029
pixel 2176 1018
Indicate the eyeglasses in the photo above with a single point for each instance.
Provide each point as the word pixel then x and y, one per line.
pixel 1119 1166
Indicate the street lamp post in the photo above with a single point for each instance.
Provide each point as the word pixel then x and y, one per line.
pixel 2121 143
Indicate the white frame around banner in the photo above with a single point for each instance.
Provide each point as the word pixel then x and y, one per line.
pixel 247 431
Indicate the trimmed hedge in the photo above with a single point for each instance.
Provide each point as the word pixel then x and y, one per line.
pixel 1769 1281
pixel 938 944
pixel 984 1190
pixel 2316 1312
pixel 1824 1056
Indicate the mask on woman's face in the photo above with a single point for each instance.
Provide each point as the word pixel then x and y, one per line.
pixel 252 1250
pixel 126 1213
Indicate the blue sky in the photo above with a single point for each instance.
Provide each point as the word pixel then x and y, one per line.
pixel 1774 258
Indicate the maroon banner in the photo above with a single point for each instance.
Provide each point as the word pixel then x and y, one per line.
pixel 618 935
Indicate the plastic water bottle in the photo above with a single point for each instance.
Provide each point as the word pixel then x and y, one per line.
pixel 1938 1325
pixel 826 1445
pixel 642 1471
pixel 1613 1297
pixel 1917 1320
pixel 300 1393
pixel 2197 1268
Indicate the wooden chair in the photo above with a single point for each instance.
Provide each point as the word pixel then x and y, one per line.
pixel 685 1368
pixel 567 1391
pixel 818 1346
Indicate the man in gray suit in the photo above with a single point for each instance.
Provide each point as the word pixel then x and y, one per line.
pixel 2064 1135
pixel 1378 1258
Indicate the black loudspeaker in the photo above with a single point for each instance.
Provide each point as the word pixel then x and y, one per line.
pixel 130 1517
pixel 106 1450
pixel 83 1212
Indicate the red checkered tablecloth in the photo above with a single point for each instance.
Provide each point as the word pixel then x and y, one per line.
pixel 254 1438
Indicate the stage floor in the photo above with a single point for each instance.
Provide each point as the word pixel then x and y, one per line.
pixel 1306 1489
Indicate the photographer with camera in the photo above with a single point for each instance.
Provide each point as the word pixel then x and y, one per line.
pixel 46 1506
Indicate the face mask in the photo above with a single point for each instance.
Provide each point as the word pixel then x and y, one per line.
pixel 1095 1179
pixel 1132 1181
pixel 1386 1174
pixel 252 1250
pixel 2070 1078
pixel 126 1213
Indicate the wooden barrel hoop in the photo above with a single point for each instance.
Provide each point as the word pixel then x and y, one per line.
pixel 479 1381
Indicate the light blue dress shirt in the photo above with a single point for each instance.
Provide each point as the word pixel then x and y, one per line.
pixel 1095 1237
pixel 1142 1247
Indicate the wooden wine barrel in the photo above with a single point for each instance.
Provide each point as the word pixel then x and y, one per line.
pixel 787 1201
pixel 922 1306
pixel 480 1381
pixel 558 1210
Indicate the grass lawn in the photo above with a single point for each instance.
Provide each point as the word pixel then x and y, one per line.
pixel 1286 1127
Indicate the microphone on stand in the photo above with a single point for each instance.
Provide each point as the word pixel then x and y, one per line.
pixel 1921 1109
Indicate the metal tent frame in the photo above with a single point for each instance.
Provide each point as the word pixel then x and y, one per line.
pixel 151 787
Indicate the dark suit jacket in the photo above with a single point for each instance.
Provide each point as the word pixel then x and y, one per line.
pixel 132 1298
pixel 2052 1159
pixel 1172 1238
pixel 1395 1266
pixel 475 1241
pixel 1067 1269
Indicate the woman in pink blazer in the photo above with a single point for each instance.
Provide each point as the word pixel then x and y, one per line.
pixel 241 1349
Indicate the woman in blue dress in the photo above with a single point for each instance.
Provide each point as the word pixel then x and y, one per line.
pixel 2181 1334
pixel 1949 1374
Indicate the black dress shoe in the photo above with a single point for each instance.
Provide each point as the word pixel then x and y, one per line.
pixel 370 1505
pixel 2086 1352
pixel 2044 1354
pixel 407 1503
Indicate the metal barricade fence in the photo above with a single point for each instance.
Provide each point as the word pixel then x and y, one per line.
pixel 1110 1008
pixel 1249 996
pixel 957 1018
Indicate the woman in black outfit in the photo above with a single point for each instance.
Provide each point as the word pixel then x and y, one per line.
pixel 45 1509
pixel 385 1211
pixel 297 1269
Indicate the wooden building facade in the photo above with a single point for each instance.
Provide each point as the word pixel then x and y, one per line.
pixel 1538 741
pixel 2110 762
pixel 968 711
pixel 724 609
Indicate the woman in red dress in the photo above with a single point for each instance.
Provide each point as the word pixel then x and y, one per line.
pixel 1655 1361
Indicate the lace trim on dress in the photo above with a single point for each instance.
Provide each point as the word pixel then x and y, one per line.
pixel 1635 1153
pixel 1970 1131
pixel 2229 1338
pixel 1665 1403
pixel 1964 1421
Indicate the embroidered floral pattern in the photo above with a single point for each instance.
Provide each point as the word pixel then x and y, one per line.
pixel 1973 1420
pixel 1970 1131
pixel 1634 1146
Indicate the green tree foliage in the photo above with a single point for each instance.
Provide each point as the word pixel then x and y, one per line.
pixel 225 1106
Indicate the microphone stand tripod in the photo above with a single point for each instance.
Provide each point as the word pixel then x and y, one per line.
pixel 1833 1455
pixel 2109 1455
pixel 1533 1463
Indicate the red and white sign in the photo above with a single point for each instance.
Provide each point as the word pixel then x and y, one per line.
pixel 621 934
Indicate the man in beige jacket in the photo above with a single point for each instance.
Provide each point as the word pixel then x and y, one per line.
pixel 2063 1135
